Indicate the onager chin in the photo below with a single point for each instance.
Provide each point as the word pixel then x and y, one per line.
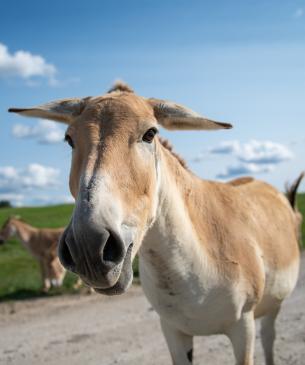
pixel 213 256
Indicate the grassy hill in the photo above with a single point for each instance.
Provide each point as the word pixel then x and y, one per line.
pixel 19 272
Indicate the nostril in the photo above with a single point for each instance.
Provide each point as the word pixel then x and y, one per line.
pixel 66 256
pixel 113 250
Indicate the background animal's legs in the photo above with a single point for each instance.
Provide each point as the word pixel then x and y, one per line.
pixel 56 272
pixel 44 275
pixel 268 335
pixel 78 284
pixel 180 345
pixel 242 336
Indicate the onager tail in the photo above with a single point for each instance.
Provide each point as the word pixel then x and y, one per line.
pixel 291 191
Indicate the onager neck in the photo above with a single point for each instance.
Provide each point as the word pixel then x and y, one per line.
pixel 24 231
pixel 174 225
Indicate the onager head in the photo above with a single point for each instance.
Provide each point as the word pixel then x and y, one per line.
pixel 8 229
pixel 114 177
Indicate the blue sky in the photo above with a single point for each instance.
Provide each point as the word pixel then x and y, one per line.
pixel 236 61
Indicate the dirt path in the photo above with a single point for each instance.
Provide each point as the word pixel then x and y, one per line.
pixel 96 330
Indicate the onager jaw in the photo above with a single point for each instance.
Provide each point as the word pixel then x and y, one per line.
pixel 124 280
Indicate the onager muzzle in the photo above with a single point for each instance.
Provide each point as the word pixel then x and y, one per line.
pixel 99 255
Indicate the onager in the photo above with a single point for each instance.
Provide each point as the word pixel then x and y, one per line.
pixel 213 256
pixel 42 244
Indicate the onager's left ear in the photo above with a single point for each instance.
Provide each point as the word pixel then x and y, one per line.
pixel 177 117
pixel 63 111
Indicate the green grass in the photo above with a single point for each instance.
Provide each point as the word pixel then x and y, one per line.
pixel 19 271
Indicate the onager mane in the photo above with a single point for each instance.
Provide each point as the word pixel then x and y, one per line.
pixel 167 145
pixel 120 86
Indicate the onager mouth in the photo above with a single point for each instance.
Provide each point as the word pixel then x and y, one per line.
pixel 124 279
pixel 102 258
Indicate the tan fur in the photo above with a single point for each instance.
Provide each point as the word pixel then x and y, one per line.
pixel 241 181
pixel 259 218
pixel 212 255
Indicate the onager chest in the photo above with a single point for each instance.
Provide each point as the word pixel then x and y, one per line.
pixel 190 293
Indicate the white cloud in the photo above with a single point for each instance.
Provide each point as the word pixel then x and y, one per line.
pixel 244 169
pixel 44 131
pixel 25 65
pixel 298 13
pixel 253 157
pixel 259 152
pixel 34 176
pixel 226 147
pixel 264 152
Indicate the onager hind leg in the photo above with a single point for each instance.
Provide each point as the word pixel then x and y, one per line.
pixel 56 272
pixel 268 335
pixel 180 345
pixel 242 336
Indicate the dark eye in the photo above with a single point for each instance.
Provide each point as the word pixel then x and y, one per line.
pixel 149 135
pixel 69 140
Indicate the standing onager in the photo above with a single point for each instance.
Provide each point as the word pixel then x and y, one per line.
pixel 212 256
pixel 42 244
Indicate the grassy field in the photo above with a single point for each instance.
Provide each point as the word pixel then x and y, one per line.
pixel 19 272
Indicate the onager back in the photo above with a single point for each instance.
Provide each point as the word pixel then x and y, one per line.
pixel 213 256
pixel 42 244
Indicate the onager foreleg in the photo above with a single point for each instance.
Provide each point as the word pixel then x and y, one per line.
pixel 268 335
pixel 242 336
pixel 180 345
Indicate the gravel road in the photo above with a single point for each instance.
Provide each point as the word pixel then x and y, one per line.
pixel 97 330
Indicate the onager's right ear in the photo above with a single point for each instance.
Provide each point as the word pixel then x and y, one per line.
pixel 173 116
pixel 63 111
